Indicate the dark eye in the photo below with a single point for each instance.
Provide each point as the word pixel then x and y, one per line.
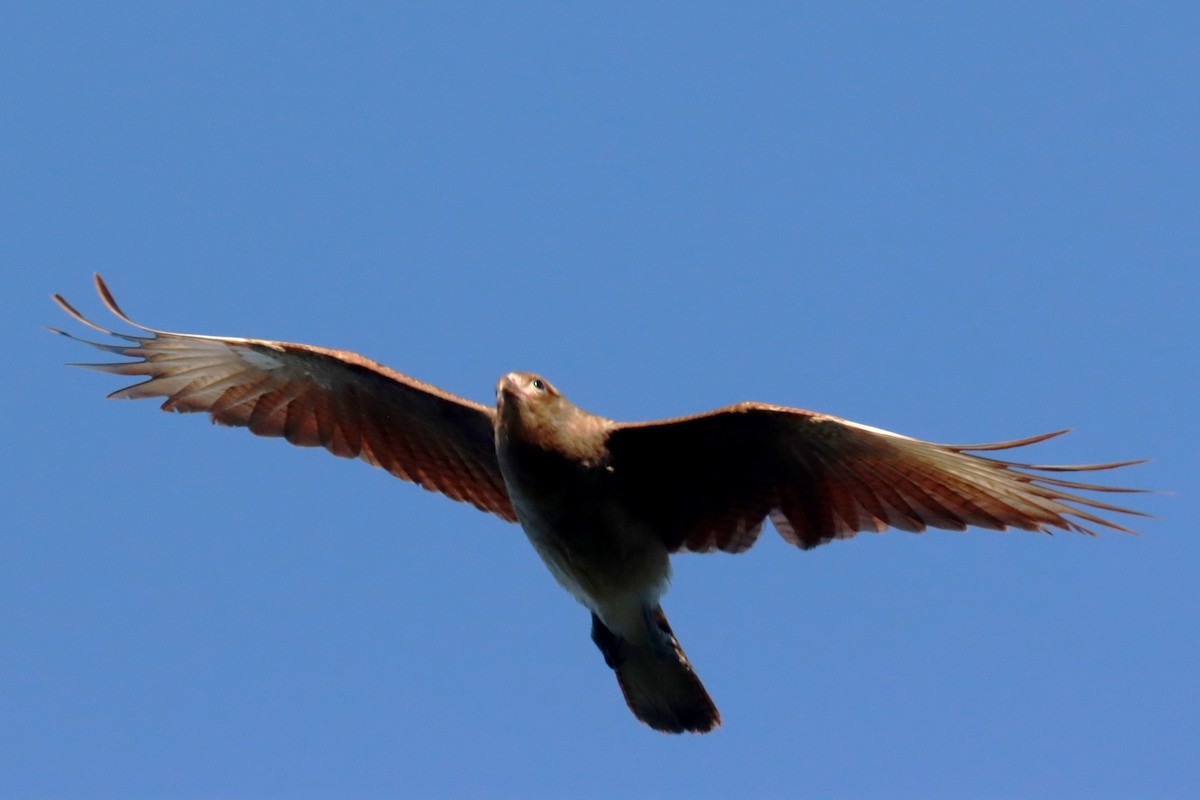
pixel 539 384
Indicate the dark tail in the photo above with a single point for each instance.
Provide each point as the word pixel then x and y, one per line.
pixel 658 682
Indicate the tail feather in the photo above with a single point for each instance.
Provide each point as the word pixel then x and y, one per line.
pixel 659 684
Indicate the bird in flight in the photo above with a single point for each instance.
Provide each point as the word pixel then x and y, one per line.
pixel 606 503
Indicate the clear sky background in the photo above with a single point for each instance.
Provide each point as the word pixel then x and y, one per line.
pixel 962 222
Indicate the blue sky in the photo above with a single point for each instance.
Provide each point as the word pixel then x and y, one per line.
pixel 961 222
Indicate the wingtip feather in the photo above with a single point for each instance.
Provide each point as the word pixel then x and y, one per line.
pixel 111 304
pixel 1028 440
pixel 76 315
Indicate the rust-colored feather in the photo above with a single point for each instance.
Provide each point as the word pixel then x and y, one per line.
pixel 314 397
pixel 706 482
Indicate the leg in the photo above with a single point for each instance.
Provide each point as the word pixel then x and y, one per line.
pixel 611 645
pixel 658 631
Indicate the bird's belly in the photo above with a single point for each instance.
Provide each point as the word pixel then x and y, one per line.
pixel 611 565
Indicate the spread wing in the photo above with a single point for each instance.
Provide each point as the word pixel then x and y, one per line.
pixel 708 482
pixel 312 397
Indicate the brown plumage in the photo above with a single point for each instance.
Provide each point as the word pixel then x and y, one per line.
pixel 604 503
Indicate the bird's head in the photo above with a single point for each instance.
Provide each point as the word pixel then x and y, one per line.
pixel 530 409
pixel 524 395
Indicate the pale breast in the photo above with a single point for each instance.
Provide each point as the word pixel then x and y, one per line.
pixel 610 563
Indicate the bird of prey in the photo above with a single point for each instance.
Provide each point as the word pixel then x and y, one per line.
pixel 606 503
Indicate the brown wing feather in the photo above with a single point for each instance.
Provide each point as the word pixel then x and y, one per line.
pixel 707 482
pixel 315 397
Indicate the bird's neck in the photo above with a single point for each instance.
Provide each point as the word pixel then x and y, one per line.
pixel 565 432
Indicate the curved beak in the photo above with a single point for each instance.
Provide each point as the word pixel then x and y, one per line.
pixel 508 386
